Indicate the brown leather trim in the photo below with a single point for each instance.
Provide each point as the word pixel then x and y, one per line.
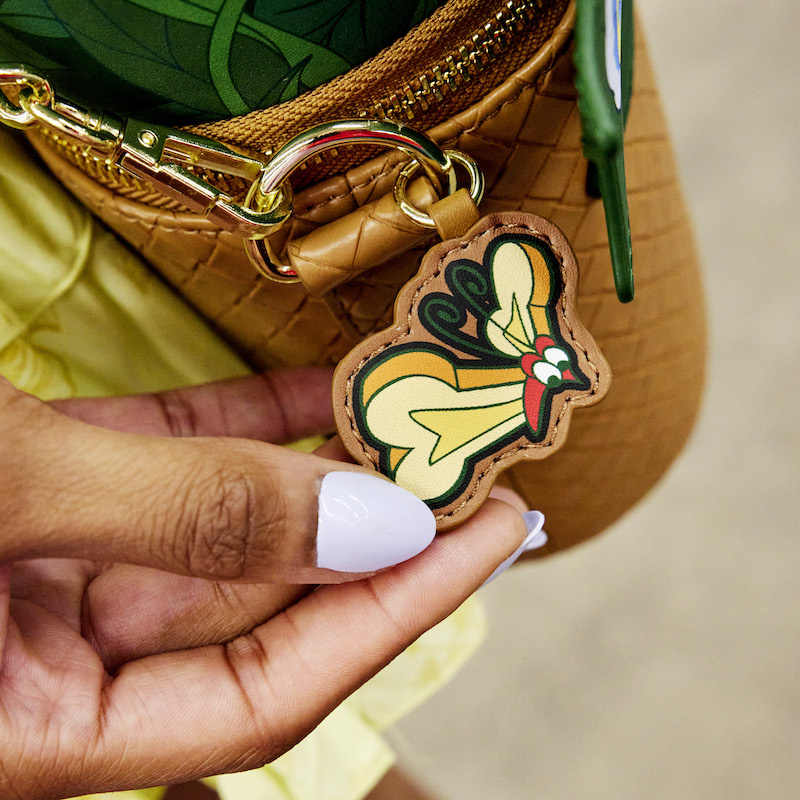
pixel 337 252
pixel 454 215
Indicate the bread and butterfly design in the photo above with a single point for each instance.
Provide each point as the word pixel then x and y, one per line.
pixel 482 367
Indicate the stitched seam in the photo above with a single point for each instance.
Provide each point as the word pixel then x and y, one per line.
pixel 407 332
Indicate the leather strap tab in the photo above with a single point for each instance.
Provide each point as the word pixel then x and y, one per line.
pixel 371 235
pixel 454 215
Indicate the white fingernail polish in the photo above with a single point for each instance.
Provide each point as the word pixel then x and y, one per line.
pixel 366 523
pixel 536 538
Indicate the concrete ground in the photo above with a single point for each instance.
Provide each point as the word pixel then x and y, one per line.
pixel 662 660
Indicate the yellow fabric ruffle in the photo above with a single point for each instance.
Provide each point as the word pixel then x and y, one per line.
pixel 81 315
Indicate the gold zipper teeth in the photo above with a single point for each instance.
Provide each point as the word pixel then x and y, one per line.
pixel 107 173
pixel 97 168
pixel 459 66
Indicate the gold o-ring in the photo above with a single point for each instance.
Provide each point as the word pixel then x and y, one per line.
pixel 476 186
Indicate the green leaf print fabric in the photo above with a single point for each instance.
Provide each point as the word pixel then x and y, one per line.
pixel 181 61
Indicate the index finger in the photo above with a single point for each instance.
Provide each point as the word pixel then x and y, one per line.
pixel 280 406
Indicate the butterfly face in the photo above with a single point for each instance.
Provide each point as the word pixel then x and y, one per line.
pixel 484 372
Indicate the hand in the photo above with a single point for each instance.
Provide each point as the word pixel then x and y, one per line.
pixel 123 489
pixel 115 675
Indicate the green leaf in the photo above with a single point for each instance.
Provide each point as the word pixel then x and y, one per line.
pixel 135 46
pixel 219 53
pixel 14 51
pixel 202 12
pixel 318 64
pixel 355 30
pixel 184 60
pixel 31 16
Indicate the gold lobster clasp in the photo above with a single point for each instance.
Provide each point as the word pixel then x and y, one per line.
pixel 173 160
pixel 156 153
pixel 161 155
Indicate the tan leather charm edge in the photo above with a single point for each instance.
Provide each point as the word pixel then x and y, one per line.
pixel 409 363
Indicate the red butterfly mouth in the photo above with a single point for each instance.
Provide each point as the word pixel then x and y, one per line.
pixel 546 368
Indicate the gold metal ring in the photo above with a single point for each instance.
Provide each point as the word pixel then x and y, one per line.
pixel 259 250
pixel 423 151
pixel 341 133
pixel 21 76
pixel 476 186
pixel 263 258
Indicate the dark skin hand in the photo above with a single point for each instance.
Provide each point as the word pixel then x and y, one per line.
pixel 136 651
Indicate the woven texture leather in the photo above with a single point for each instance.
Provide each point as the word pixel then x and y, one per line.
pixel 526 136
pixel 365 238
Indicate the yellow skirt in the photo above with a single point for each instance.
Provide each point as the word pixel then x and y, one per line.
pixel 81 315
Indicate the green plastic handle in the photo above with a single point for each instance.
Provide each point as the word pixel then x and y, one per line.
pixel 603 122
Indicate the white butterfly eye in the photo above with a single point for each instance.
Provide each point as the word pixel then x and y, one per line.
pixel 546 373
pixel 555 355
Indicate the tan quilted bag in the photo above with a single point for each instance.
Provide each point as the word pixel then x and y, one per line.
pixel 520 122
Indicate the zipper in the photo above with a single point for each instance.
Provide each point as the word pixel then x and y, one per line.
pixel 461 65
pixel 447 86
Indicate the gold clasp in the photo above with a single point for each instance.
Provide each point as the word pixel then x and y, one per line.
pixel 166 158
pixel 422 150
pixel 98 133
pixel 476 187
pixel 160 155
pixel 156 153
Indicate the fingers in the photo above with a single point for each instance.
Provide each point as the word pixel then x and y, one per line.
pixel 280 406
pixel 221 509
pixel 238 706
pixel 130 612
pixel 509 496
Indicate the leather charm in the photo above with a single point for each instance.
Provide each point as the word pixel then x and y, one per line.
pixel 482 368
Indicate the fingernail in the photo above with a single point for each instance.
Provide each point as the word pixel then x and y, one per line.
pixel 536 538
pixel 366 523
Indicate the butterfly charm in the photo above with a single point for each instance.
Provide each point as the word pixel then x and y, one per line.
pixel 482 367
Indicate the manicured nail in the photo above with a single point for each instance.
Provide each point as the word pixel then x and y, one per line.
pixel 366 523
pixel 536 538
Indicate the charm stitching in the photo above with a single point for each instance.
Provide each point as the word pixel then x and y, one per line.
pixel 559 308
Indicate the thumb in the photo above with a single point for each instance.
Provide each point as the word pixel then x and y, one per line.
pixel 216 508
